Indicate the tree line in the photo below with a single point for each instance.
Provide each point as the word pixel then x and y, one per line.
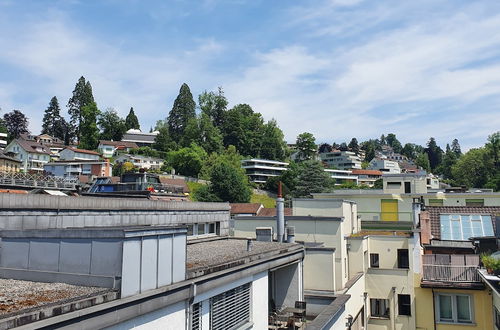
pixel 207 139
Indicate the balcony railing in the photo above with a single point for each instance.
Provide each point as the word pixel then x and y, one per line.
pixel 451 268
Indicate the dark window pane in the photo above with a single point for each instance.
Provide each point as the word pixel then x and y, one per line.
pixel 403 261
pixel 404 305
pixel 374 260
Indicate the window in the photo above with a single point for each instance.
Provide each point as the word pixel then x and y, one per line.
pixel 379 307
pixel 435 202
pixel 403 261
pixel 454 308
pixel 497 318
pixel 404 305
pixel 211 228
pixel 201 229
pixel 461 227
pixel 374 260
pixel 474 202
pixel 407 187
pixel 394 185
pixel 230 309
pixel 196 316
pixel 190 230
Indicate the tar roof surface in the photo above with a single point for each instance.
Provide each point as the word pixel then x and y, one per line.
pixel 18 295
pixel 213 254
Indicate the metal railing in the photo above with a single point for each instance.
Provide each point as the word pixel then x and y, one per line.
pixel 28 180
pixel 451 268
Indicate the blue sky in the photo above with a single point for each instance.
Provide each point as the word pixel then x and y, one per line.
pixel 338 68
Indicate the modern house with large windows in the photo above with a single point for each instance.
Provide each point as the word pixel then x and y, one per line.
pixel 341 160
pixel 259 170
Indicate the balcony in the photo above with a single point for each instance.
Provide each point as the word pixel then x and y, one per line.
pixel 451 271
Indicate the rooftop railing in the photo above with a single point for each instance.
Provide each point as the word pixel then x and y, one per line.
pixel 451 268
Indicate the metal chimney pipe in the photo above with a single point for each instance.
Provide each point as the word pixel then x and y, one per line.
pixel 280 215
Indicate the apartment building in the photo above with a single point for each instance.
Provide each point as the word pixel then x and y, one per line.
pixel 384 166
pixel 394 201
pixel 452 292
pixel 71 153
pixel 259 170
pixel 140 161
pixel 342 176
pixel 3 140
pixel 74 168
pixel 140 138
pixel 8 163
pixel 367 177
pixel 341 160
pixel 32 155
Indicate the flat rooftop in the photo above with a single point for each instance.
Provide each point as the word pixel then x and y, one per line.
pixel 23 302
pixel 205 257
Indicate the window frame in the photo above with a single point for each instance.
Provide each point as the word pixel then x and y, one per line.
pixel 454 308
pixel 373 306
pixel 373 263
pixel 404 305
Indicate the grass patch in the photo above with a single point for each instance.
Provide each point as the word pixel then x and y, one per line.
pixel 193 186
pixel 264 200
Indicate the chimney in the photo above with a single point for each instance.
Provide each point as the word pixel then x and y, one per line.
pixel 290 234
pixel 249 244
pixel 280 215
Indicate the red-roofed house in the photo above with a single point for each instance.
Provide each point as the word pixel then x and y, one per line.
pixel 245 208
pixel 367 177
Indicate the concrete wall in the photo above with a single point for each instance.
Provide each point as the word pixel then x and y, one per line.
pixel 358 256
pixel 287 285
pixel 319 269
pixel 381 281
pixel 171 317
pixel 317 207
pixel 369 204
pixel 45 211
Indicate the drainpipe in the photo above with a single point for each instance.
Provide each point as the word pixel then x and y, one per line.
pixel 393 307
pixel 280 215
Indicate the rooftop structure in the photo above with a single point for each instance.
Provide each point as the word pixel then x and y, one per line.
pixel 259 170
pixel 140 138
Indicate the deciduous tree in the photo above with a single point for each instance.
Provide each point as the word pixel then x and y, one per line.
pixel 306 146
pixel 89 138
pixel 112 126
pixel 16 123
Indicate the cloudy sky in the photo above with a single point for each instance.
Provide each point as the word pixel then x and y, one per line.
pixel 338 68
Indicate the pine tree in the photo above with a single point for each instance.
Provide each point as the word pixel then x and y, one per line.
pixel 354 146
pixel 182 111
pixel 82 96
pixel 434 153
pixel 312 179
pixel 131 121
pixel 53 124
pixel 455 147
pixel 89 132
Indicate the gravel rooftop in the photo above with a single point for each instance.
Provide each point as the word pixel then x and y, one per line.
pixel 210 254
pixel 18 295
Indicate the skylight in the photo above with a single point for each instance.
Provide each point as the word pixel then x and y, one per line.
pixel 461 227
